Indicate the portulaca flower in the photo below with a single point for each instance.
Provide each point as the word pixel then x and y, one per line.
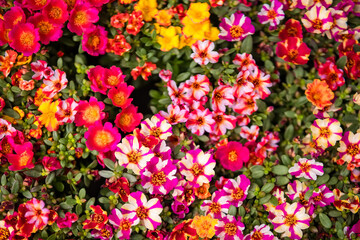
pixel 203 52
pixel 260 232
pixel 326 132
pixel 307 168
pixel 272 14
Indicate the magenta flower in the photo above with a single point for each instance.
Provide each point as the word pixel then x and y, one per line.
pixel 317 20
pixel 349 150
pixel 67 221
pixel 159 176
pixel 236 28
pixel 272 14
pixel 290 219
pixel 94 41
pixel 96 76
pixel 232 155
pixel 48 31
pixel 229 227
pixel 260 232
pixel 82 18
pixel 307 168
pixel 322 196
pixel 203 52
pixel 157 127
pixel 197 167
pixel 102 138
pixel 105 233
pixel 147 212
pixel 123 222
pixel 217 206
pixel 236 190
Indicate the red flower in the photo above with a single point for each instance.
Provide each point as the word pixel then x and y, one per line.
pixel 331 74
pixel 135 23
pixel 82 18
pixel 23 157
pixel 232 155
pixel 25 38
pixel 94 41
pixel 13 17
pixel 102 138
pixel 113 77
pixel 119 20
pixel 48 31
pixel 118 45
pixel 128 119
pixel 50 163
pixel 121 186
pixel 98 219
pixel 35 4
pixel 96 76
pixel 120 95
pixel 183 231
pixel 89 112
pixel 144 71
pixel 292 29
pixel 67 221
pixel 56 11
pixel 293 50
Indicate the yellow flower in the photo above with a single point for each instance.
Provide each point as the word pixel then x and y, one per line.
pixel 168 38
pixel 186 41
pixel 204 226
pixel 198 12
pixel 163 17
pixel 47 118
pixel 148 9
pixel 22 60
pixel 213 34
pixel 196 30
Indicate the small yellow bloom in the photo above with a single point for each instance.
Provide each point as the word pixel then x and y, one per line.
pixel 196 30
pixel 213 34
pixel 204 226
pixel 163 18
pixel 198 12
pixel 48 118
pixel 186 41
pixel 148 9
pixel 168 38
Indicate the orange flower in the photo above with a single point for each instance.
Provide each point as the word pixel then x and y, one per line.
pixel 319 93
pixel 204 226
pixel 202 192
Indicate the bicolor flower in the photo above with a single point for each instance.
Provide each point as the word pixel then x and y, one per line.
pixel 197 167
pixel 349 150
pixel 147 212
pixel 97 220
pixel 132 154
pixel 330 73
pixel 245 61
pixel 198 86
pixel 55 83
pixel 222 96
pixel 242 84
pixel 272 14
pixel 223 122
pixel 37 213
pixel 200 121
pixel 123 222
pixel 203 52
pixel 236 28
pixel 260 232
pixel 89 112
pixel 66 110
pixel 236 190
pixel 290 220
pixel 293 50
pixel 175 114
pixel 157 127
pixel 246 104
pixel 217 207
pixel 307 168
pixel 317 20
pixel 326 132
pixel 6 129
pixel 322 196
pixel 228 227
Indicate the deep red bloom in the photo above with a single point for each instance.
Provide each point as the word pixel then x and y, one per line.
pixel 98 219
pixel 232 155
pixel 118 45
pixel 120 95
pixel 35 4
pixel 128 119
pixel 183 231
pixel 293 50
pixel 13 17
pixel 292 29
pixel 67 221
pixel 121 186
pixel 119 20
pixel 135 23
pixel 50 163
pixel 56 11
pixel 96 76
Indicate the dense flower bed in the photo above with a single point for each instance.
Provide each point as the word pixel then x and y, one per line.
pixel 175 120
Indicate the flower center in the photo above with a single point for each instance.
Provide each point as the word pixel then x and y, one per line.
pixel 292 32
pixel 155 131
pixel 197 169
pixel 103 138
pixel 4 234
pixel 236 31
pixel 215 207
pixel 125 120
pixel 142 212
pixel 134 157
pixel 158 178
pixel 3 128
pixel 24 158
pixel 333 76
pixel 91 114
pixel 105 233
pixel 318 197
pixel 5 147
pixel 325 132
pixel 232 156
pixel 203 54
pixel 94 42
pixel 80 18
pixel 45 27
pixel 119 98
pixel 305 167
pixel 290 220
pixel 230 229
pixel 237 194
pixel 195 85
pixel 55 13
pixel 98 218
pixel 257 236
pixel 218 96
pixel 27 39
pixel 125 225
pixel 317 24
pixel 272 14
pixel 293 53
pixel 112 80
pixel 200 121
pixel 218 118
pixel 352 149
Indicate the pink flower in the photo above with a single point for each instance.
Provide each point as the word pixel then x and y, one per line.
pixel 251 133
pixel 307 168
pixel 36 213
pixel 82 17
pixel 175 114
pixel 48 31
pixel 120 95
pixel 96 75
pixel 41 70
pixel 200 121
pixel 232 155
pixel 56 11
pixel 113 77
pixel 203 52
pixel 158 177
pixel 147 212
pixel 165 75
pixel 246 104
pixel 317 19
pixel 35 5
pixel 157 127
pixel 236 28
pixel 128 119
pixel 50 163
pixel 349 150
pixel 14 17
pixel 223 122
pixel 6 129
pixel 260 232
pixel 222 96
pixel 123 222
pixel 245 61
pixel 89 112
pixel 67 221
pixel 55 83
pixel 104 233
pixel 228 227
pixel 236 190
pixel 272 14
pixel 94 41
pixel 24 38
pixel 102 138
pixel 197 86
pixel 217 207
pixel 177 94
pixel 197 167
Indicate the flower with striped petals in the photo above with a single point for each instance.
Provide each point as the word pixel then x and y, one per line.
pixel 147 212
pixel 271 14
pixel 237 189
pixel 260 232
pixel 200 121
pixel 222 96
pixel 229 227
pixel 198 86
pixel 349 150
pixel 317 20
pixel 157 127
pixel 307 168
pixel 217 206
pixel 236 28
pixel 326 132
pixel 290 220
pixel 123 222
pixel 203 52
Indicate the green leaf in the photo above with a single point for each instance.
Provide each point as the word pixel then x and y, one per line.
pixel 66 206
pixel 82 193
pixel 232 210
pixel 285 160
pixel 341 62
pixel 106 173
pixel 90 202
pixel 59 186
pixel 247 45
pixel 109 164
pixel 280 170
pixel 27 194
pixel 289 132
pixel 269 66
pixel 15 187
pixel 268 187
pixel 322 179
pixel 50 178
pixel 335 213
pixel 265 199
pixel 11 113
pixel 325 220
pixel 10 96
pixel 33 173
pixel 182 76
pixel 3 180
pixel 282 180
pixel 290 114
pixel 257 171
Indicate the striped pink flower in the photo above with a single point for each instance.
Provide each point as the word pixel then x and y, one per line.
pixel 349 150
pixel 236 190
pixel 307 168
pixel 217 207
pixel 236 28
pixel 260 232
pixel 229 227
pixel 272 14
pixel 203 52
pixel 200 121
pixel 317 19
pixel 222 96
pixel 157 127
pixel 326 132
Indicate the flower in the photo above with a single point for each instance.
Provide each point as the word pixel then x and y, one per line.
pixel 66 111
pixel 237 190
pixel 197 167
pixel 132 155
pixel 82 18
pixel 35 5
pixel 104 233
pixel 322 196
pixel 250 134
pixel 331 75
pixel 23 157
pixel 6 129
pixel 163 17
pixel 290 219
pixel 14 17
pixel 147 212
pixel 67 221
pixel 293 50
pixel 89 112
pixel 48 116
pixel 246 104
pixel 200 121
pixel 148 9
pixel 128 119
pixel 120 95
pixel 203 52
pixel 113 77
pixel 271 14
pixel 306 168
pixel 236 28
pixel 50 163
pixel 97 220
pixel 245 61
pixel 326 132
pixel 204 226
pixel 292 29
pixel 183 231
pixel 55 83
pixel 36 213
pixel 157 127
pixel 120 186
pixel 232 155
pixel 349 150
pixel 144 71
pixel 198 86
pixel 223 122
pixel 317 20
pixel 261 82
pixel 319 93
pixel 48 31
pixel 135 23
pixel 159 176
pixel 198 12
pixel 102 138
pixel 175 114
pixel 217 206
pixel 222 96
pixel 7 62
pixel 94 41
pixel 168 38
pixel 24 38
pixel 123 222
pixel 56 11
pixel 228 227
pixel 260 232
